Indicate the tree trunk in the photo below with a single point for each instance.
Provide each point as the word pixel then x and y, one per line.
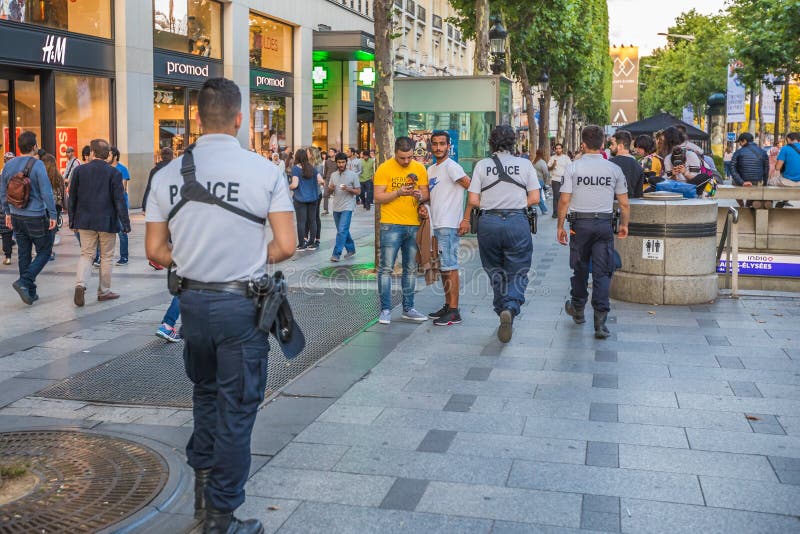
pixel 787 119
pixel 384 95
pixel 762 135
pixel 526 93
pixel 751 124
pixel 562 119
pixel 481 58
pixel 544 131
pixel 570 123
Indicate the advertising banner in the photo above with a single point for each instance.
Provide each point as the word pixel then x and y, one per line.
pixel 736 94
pixel 768 102
pixel 625 85
pixel 65 137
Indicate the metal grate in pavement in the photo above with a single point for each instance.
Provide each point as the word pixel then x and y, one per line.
pixel 154 375
pixel 85 482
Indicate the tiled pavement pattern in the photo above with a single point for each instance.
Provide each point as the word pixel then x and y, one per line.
pixel 686 420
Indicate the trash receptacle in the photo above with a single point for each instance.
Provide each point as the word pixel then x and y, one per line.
pixel 669 256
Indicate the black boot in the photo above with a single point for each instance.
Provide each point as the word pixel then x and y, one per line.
pixel 200 483
pixel 600 330
pixel 575 312
pixel 224 523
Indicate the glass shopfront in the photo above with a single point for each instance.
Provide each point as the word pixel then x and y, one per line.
pixel 188 26
pixel 88 17
pixel 175 112
pixel 270 44
pixel 270 110
pixel 83 112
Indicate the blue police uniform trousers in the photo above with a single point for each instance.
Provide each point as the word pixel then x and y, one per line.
pixel 506 250
pixel 225 355
pixel 593 240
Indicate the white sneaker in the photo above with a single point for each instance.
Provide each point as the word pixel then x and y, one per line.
pixel 386 317
pixel 57 240
pixel 414 315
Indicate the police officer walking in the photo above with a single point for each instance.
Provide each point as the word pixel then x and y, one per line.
pixel 503 192
pixel 587 193
pixel 225 354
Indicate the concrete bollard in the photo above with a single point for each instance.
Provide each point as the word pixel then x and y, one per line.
pixel 669 256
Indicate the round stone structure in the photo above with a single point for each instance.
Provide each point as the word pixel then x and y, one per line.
pixel 669 256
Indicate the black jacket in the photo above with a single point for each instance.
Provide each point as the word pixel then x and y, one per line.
pixel 633 172
pixel 96 199
pixel 750 164
pixel 160 165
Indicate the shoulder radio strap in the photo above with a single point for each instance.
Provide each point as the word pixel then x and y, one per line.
pixel 794 147
pixel 502 176
pixel 192 190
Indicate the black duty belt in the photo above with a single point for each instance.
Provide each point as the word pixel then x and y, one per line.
pixel 236 288
pixel 502 212
pixel 589 215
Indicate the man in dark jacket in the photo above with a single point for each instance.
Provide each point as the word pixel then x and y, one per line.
pixel 750 164
pixel 97 208
pixel 620 147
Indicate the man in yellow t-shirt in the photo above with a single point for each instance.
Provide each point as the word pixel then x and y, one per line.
pixel 400 185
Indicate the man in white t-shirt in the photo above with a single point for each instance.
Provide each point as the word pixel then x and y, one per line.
pixel 446 182
pixel 558 166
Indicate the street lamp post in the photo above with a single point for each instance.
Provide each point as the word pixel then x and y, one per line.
pixel 497 45
pixel 539 89
pixel 778 82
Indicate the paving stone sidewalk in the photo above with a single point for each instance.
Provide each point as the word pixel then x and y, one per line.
pixel 686 420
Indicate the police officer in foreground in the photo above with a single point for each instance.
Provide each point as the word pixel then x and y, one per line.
pixel 587 193
pixel 217 250
pixel 504 233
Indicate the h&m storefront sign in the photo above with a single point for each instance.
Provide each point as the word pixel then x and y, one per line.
pixel 183 68
pixel 48 48
pixel 270 81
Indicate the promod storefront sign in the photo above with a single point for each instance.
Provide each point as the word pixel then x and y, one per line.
pixel 269 81
pixel 181 68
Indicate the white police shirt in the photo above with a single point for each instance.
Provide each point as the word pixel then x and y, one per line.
pixel 593 182
pixel 209 243
pixel 504 196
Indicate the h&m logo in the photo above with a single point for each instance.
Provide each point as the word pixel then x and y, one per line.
pixel 54 50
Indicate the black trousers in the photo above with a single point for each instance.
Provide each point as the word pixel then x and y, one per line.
pixel 8 243
pixel 593 240
pixel 306 213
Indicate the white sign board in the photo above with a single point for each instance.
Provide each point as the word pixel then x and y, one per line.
pixel 653 249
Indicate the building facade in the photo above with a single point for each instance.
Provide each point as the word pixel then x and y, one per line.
pixel 130 70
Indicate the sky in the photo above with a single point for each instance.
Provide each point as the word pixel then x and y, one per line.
pixel 637 22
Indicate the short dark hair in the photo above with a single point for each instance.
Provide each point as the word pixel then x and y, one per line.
pixel 114 153
pixel 441 133
pixel 85 152
pixel 403 144
pixel 100 148
pixel 793 136
pixel 365 152
pixel 26 141
pixel 502 139
pixel 673 137
pixel 624 138
pixel 593 136
pixel 353 150
pixel 218 103
pixel 558 145
pixel 340 156
pixel 646 143
pixel 746 136
pixel 167 154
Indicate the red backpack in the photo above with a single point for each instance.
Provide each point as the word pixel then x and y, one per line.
pixel 18 189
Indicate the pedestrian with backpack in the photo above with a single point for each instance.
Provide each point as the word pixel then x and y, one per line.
pixel 30 210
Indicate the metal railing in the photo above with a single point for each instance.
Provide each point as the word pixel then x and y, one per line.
pixel 730 241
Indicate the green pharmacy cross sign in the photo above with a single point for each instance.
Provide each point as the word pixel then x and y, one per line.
pixel 319 75
pixel 367 77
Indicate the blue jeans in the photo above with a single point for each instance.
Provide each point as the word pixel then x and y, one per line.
pixel 32 232
pixel 398 238
pixel 343 238
pixel 173 312
pixel 225 356
pixel 123 246
pixel 542 203
pixel 506 249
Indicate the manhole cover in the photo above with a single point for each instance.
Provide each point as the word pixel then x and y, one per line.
pixel 86 481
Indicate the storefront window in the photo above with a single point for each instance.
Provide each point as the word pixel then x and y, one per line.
pixel 189 26
pixel 270 123
pixel 270 44
pixel 82 112
pixel 170 118
pixel 27 105
pixel 90 17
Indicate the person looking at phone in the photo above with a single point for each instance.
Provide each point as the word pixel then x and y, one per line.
pixel 401 184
